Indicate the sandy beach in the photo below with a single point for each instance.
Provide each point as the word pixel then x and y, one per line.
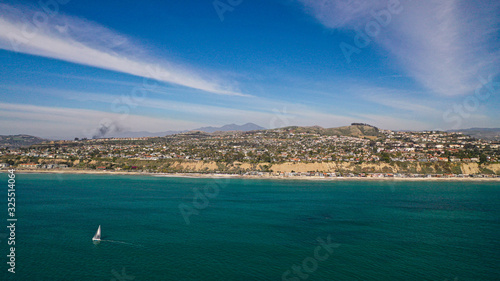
pixel 270 177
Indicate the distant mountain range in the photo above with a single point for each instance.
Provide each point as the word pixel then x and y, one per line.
pixel 354 130
pixel 226 128
pixel 492 134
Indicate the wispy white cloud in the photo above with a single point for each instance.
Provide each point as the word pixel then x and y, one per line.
pixel 65 122
pixel 396 123
pixel 60 122
pixel 83 42
pixel 443 44
pixel 266 112
pixel 184 115
pixel 410 110
pixel 342 14
pixel 400 100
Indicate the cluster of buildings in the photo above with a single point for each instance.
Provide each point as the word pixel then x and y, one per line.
pixel 366 175
pixel 266 146
pixel 41 166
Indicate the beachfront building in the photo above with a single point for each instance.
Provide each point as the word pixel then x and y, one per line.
pixel 30 166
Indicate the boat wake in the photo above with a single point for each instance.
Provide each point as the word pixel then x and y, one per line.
pixel 97 239
pixel 120 242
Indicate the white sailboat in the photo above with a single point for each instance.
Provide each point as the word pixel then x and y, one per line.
pixel 97 236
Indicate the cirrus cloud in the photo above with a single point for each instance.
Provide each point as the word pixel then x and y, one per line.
pixel 445 45
pixel 83 42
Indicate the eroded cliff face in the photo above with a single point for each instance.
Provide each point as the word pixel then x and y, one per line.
pixel 343 167
pixel 299 167
pixel 494 167
pixel 382 167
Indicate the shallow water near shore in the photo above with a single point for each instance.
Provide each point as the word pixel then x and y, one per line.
pixel 246 229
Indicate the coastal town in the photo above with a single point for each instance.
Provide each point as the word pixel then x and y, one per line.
pixel 359 150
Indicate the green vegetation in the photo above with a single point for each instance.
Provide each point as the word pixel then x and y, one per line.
pixel 365 149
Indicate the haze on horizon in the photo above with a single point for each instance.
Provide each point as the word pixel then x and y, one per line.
pixel 69 67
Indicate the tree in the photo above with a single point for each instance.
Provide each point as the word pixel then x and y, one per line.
pixel 384 156
pixel 482 159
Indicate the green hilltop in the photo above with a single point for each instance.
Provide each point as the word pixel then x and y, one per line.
pixel 13 141
pixel 354 130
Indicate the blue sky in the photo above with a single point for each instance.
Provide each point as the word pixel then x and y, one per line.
pixel 70 67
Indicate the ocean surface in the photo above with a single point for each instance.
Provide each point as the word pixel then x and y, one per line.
pixel 162 228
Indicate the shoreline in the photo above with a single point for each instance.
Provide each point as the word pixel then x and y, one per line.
pixel 264 177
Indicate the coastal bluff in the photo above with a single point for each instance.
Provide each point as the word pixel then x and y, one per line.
pixel 338 167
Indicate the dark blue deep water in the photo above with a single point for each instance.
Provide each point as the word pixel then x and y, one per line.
pixel 251 229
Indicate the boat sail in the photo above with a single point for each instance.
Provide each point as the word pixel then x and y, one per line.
pixel 97 236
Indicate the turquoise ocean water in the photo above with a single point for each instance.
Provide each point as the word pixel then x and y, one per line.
pixel 251 229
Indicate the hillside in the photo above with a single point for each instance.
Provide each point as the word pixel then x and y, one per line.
pixel 19 140
pixel 355 130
